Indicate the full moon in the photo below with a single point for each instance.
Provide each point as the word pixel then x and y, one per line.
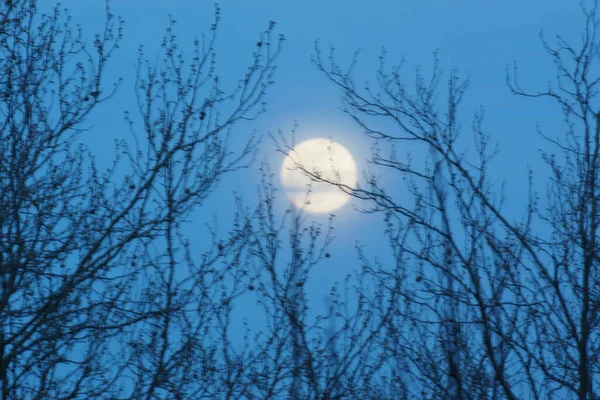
pixel 327 159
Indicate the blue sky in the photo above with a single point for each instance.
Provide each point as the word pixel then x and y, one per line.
pixel 479 38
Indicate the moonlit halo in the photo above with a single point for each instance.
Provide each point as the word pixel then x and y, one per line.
pixel 329 160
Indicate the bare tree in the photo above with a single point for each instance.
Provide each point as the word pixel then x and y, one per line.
pixel 102 296
pixel 302 355
pixel 485 306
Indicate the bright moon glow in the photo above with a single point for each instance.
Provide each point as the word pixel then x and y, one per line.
pixel 328 160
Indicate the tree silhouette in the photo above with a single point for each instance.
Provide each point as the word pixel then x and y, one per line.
pixel 485 306
pixel 104 297
pixel 94 300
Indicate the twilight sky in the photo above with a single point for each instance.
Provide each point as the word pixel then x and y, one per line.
pixel 479 38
